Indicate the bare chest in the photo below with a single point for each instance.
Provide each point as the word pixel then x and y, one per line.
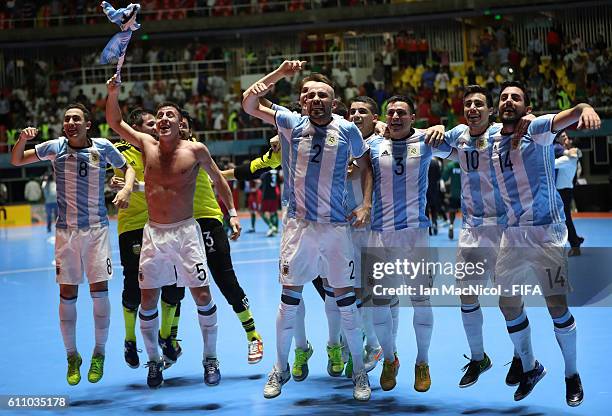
pixel 180 167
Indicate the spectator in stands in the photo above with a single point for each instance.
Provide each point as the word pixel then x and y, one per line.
pixel 441 81
pixel 369 87
pixel 553 40
pixel 388 53
pixel 422 50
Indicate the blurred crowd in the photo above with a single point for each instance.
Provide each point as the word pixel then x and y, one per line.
pixel 45 13
pixel 570 72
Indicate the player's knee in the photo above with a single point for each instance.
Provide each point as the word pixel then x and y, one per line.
pixel 290 298
pixel 382 302
pixel 148 298
pixel 420 301
pixel 468 299
pixel 511 307
pixel 99 286
pixel 201 295
pixel 69 291
pixel 557 305
pixel 172 294
pixel 130 299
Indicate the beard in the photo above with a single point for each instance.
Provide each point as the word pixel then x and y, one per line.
pixel 510 118
pixel 319 113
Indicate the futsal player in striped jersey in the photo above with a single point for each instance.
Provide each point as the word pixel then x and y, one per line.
pixel 303 348
pixel 316 238
pixel 364 113
pixel 533 243
pixel 81 236
pixel 484 216
pixel 400 164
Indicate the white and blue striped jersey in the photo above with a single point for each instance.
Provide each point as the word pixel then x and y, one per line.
pixel 317 165
pixel 526 175
pixel 400 181
pixel 79 175
pixel 354 190
pixel 481 201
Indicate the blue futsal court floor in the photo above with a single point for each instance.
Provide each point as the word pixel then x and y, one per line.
pixel 33 360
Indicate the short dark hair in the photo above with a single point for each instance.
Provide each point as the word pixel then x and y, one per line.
pixel 369 101
pixel 135 116
pixel 518 85
pixel 402 98
pixel 79 106
pixel 317 77
pixel 340 109
pixel 186 116
pixel 169 104
pixel 477 89
pixel 295 106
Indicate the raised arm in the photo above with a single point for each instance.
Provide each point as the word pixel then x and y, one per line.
pixel 20 156
pixel 253 107
pixel 286 69
pixel 115 120
pixel 583 113
pixel 221 186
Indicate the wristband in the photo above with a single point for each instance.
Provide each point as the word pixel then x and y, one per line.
pixel 232 212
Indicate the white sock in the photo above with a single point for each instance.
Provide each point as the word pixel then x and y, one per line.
pixel 207 317
pixel 300 328
pixel 333 317
pixel 68 316
pixel 565 332
pixel 149 327
pixel 471 314
pixel 383 324
pixel 395 316
pixel 423 327
pixel 101 309
pixel 520 334
pixel 285 326
pixel 351 327
pixel 367 322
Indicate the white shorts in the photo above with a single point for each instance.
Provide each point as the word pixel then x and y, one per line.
pixel 411 244
pixel 78 251
pixel 172 253
pixel 361 239
pixel 531 255
pixel 479 245
pixel 309 249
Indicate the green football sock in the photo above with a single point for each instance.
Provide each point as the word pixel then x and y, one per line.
pixel 129 318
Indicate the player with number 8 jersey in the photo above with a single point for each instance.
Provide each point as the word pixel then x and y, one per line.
pixel 81 240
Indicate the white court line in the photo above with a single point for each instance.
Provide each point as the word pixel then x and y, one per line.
pixel 43 269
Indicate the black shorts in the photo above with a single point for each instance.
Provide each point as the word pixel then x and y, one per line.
pixel 220 263
pixel 130 243
pixel 454 203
